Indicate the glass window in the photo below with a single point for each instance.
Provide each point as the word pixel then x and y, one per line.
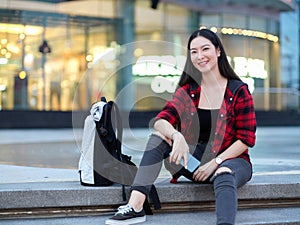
pixel 53 53
pixel 209 20
pixel 234 21
pixel 273 27
pixel 143 12
pixel 257 23
pixel 159 53
pixel 176 18
pixel 249 58
pixel 11 48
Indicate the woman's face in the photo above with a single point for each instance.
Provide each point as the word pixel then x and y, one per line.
pixel 204 55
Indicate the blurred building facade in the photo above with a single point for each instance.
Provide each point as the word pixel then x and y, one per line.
pixel 289 36
pixel 62 55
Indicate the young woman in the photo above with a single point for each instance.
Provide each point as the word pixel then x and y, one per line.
pixel 211 116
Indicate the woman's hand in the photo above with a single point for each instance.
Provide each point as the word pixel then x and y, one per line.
pixel 204 172
pixel 180 149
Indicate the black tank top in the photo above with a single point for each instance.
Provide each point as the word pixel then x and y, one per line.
pixel 207 122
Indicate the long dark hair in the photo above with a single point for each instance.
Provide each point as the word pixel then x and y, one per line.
pixel 191 74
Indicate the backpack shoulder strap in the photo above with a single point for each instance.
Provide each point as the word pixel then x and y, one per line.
pixel 110 128
pixel 117 124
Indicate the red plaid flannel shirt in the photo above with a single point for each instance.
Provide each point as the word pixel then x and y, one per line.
pixel 236 119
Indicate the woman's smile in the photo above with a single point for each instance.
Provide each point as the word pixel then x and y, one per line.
pixel 204 55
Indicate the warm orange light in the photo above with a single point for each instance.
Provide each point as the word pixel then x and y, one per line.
pixel 22 75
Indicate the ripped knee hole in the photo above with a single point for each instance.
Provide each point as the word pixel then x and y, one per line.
pixel 222 170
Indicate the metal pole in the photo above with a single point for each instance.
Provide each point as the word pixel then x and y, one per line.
pixel 88 70
pixel 25 81
pixel 298 11
pixel 43 66
pixel 125 74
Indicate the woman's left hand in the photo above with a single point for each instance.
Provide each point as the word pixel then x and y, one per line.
pixel 204 172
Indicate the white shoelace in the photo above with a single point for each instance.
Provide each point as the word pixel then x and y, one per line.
pixel 124 209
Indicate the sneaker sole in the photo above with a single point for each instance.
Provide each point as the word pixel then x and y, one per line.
pixel 126 222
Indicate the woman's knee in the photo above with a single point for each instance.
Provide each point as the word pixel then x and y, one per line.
pixel 223 169
pixel 224 177
pixel 241 169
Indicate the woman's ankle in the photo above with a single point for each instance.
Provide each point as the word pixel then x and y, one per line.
pixel 137 200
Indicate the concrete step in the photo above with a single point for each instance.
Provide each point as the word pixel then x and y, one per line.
pixel 70 198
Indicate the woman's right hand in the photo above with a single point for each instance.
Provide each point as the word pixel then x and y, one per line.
pixel 180 149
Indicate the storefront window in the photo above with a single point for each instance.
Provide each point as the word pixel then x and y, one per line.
pixel 11 65
pixel 159 53
pixel 45 66
pixel 249 59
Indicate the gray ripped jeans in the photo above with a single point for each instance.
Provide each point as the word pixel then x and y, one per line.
pixel 225 184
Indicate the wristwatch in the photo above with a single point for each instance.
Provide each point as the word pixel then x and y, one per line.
pixel 218 160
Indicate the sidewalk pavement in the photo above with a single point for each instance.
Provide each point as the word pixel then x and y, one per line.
pixel 21 142
pixel 276 152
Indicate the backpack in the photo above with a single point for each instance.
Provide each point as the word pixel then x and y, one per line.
pixel 102 162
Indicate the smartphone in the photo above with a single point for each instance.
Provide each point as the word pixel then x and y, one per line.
pixel 193 163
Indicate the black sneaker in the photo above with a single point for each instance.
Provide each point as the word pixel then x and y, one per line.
pixel 127 215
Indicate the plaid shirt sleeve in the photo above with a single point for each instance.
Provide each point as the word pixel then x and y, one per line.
pixel 245 121
pixel 169 113
pixel 175 110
